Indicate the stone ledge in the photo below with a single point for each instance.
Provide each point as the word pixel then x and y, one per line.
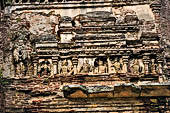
pixel 71 5
pixel 118 2
pixel 117 91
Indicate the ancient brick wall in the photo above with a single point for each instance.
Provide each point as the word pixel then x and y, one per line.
pixel 165 28
pixel 1 43
pixel 3 37
pixel 85 57
pixel 2 99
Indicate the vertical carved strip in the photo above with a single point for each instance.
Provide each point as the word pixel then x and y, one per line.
pixel 109 64
pixel 35 63
pixel 146 64
pixel 160 66
pixel 55 65
pixel 75 63
pixel 125 64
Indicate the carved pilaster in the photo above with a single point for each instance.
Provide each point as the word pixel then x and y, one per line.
pixel 75 63
pixel 13 1
pixel 35 63
pixel 20 1
pixel 28 1
pixel 146 64
pixel 55 65
pixel 46 1
pixel 125 64
pixel 156 7
pixel 109 65
pixel 160 66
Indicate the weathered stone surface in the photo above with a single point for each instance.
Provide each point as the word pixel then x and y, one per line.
pixel 84 56
pixel 118 91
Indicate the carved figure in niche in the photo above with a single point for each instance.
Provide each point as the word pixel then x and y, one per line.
pixel 117 65
pixel 66 69
pixel 159 68
pixel 102 67
pixel 141 66
pixel 16 60
pixel 7 66
pixel 111 67
pixel 153 66
pixel 86 68
pixel 20 59
pixel 136 66
pixel 22 67
pixel 45 67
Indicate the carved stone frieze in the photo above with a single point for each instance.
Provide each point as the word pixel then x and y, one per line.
pixel 45 67
pixel 86 67
pixel 66 67
pixel 91 43
pixel 84 56
pixel 22 49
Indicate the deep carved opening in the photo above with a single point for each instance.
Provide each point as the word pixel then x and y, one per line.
pixel 59 0
pixel 41 1
pixel 32 0
pixel 24 1
pixel 50 0
pixel 16 1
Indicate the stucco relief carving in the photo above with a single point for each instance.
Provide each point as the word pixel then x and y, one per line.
pixel 78 38
pixel 86 67
pixel 136 66
pixel 45 67
pixel 101 68
pixel 115 65
pixel 79 51
pixel 66 67
pixel 21 54
pixel 154 67
pixel 110 65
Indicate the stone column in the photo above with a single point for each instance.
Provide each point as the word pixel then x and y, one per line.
pixel 156 7
pixel 28 1
pixel 46 1
pixel 160 66
pixel 13 1
pixel 146 64
pixel 55 64
pixel 20 1
pixel 35 63
pixel 125 64
pixel 109 65
pixel 75 63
